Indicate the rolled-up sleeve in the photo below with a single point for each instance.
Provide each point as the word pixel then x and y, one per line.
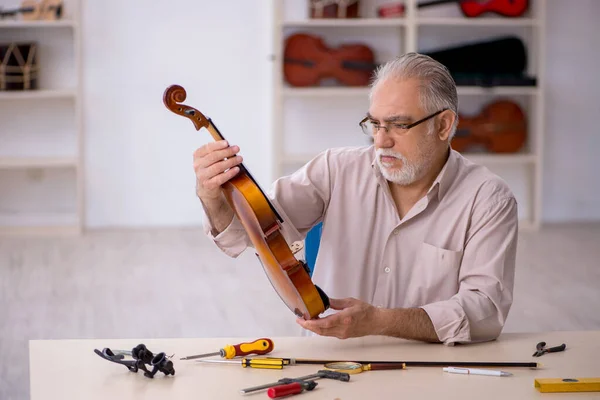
pixel 300 200
pixel 479 310
pixel 233 240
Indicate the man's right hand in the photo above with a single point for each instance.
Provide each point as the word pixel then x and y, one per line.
pixel 212 170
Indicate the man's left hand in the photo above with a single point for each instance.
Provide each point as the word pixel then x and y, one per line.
pixel 355 318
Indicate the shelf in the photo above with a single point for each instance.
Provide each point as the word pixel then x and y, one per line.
pixel 468 22
pixel 364 91
pixel 37 94
pixel 351 22
pixel 500 159
pixel 498 90
pixel 37 162
pixel 325 91
pixel 38 24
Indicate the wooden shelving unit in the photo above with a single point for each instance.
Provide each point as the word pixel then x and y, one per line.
pixel 41 136
pixel 308 120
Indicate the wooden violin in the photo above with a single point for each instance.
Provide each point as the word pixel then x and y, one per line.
pixel 501 127
pixel 307 60
pixel 289 277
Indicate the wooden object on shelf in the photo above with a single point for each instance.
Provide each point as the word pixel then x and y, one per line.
pixel 334 8
pixel 307 60
pixel 34 10
pixel 391 10
pixel 18 66
pixel 501 127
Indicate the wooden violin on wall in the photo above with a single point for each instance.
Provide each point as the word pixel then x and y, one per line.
pixel 288 276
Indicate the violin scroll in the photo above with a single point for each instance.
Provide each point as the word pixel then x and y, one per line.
pixel 173 96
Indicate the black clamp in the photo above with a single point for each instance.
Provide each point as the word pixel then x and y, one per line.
pixel 141 356
pixel 541 349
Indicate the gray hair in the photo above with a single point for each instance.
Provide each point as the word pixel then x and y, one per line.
pixel 438 89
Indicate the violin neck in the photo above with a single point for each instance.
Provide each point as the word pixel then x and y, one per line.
pixel 216 135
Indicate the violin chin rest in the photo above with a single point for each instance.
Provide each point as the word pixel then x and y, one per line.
pixel 324 297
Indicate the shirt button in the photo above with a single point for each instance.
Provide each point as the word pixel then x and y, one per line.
pixel 387 270
pixel 396 231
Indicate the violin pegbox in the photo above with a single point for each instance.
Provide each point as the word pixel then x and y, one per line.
pixel 173 97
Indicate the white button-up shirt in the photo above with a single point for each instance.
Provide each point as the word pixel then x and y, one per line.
pixel 453 254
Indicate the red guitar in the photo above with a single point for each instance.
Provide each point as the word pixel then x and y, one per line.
pixel 474 8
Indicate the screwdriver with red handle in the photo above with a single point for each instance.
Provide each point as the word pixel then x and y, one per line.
pixel 289 389
pixel 259 346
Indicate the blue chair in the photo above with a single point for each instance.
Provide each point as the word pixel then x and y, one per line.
pixel 311 245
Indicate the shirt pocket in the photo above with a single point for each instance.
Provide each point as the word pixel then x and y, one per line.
pixel 436 273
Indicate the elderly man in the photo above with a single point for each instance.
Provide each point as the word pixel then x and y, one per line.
pixel 417 241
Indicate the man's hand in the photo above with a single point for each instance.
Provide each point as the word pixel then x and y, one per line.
pixel 355 319
pixel 358 318
pixel 215 163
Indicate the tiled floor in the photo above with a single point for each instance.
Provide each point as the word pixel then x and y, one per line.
pixel 174 283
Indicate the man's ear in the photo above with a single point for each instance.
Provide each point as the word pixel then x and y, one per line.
pixel 446 120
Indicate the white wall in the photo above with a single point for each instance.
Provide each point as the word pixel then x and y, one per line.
pixel 139 154
pixel 572 179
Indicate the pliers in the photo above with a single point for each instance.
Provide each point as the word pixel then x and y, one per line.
pixel 541 349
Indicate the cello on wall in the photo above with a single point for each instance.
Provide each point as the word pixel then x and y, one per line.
pixel 289 277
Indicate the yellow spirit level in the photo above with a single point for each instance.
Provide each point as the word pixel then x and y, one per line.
pixel 552 385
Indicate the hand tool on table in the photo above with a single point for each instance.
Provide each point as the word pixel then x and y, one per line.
pixel 555 385
pixel 264 363
pixel 357 368
pixel 321 374
pixel 290 389
pixel 541 349
pixel 297 361
pixel 259 346
pixel 141 356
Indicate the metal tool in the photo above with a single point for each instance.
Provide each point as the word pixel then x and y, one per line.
pixel 356 368
pixel 326 374
pixel 259 346
pixel 264 363
pixel 493 364
pixel 541 349
pixel 141 356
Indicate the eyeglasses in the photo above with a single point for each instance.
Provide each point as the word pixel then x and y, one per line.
pixel 371 128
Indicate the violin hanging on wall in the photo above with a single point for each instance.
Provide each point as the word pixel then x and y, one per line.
pixel 289 277
pixel 307 61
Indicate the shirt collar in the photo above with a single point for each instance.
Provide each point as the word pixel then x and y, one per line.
pixel 441 183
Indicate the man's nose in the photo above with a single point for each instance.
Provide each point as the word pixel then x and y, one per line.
pixel 383 140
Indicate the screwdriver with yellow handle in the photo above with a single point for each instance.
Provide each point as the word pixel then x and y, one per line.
pixel 264 363
pixel 259 346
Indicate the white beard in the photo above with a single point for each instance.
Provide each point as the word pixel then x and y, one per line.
pixel 404 175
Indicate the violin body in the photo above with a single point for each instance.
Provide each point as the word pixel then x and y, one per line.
pixel 288 276
pixel 501 127
pixel 307 60
pixel 475 8
pixel 506 8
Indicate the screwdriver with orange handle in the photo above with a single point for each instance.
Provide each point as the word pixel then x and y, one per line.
pixel 259 346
